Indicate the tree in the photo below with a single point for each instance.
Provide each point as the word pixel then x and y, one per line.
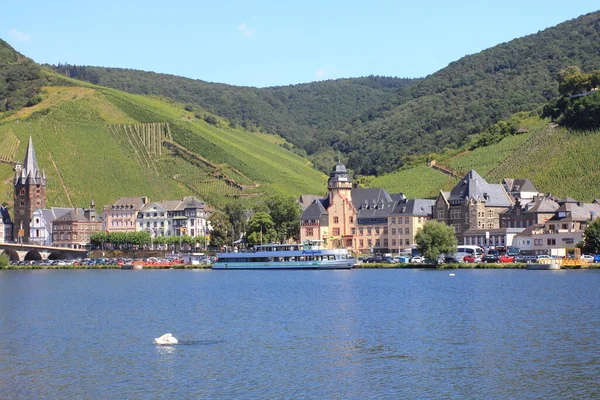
pixel 220 235
pixel 434 239
pixel 99 238
pixel 285 213
pixel 261 229
pixel 237 218
pixel 591 238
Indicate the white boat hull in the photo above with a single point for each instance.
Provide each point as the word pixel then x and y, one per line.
pixel 335 264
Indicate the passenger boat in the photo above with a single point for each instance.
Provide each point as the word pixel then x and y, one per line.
pixel 309 255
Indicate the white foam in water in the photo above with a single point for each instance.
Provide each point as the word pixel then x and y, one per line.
pixel 166 339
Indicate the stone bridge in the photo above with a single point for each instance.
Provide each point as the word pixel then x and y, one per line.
pixel 25 252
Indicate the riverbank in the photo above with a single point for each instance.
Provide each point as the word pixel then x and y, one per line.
pixel 70 266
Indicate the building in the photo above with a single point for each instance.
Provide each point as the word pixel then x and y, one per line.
pixel 30 193
pixel 363 220
pixel 40 226
pixel 537 211
pixel 74 229
pixel 121 216
pixel 6 225
pixel 561 232
pixel 494 238
pixel 473 204
pixel 174 218
pixel 522 189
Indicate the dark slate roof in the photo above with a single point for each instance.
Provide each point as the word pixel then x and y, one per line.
pixel 414 207
pixel 372 202
pixel 191 202
pixel 132 203
pixel 398 196
pixel 4 215
pixel 306 200
pixel 493 231
pixel 72 216
pixel 530 229
pixel 542 205
pixel 315 210
pixel 577 212
pixel 524 185
pixel 473 186
pixel 339 173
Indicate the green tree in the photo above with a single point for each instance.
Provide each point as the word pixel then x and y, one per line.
pixel 434 239
pixel 237 218
pixel 99 238
pixel 591 238
pixel 4 260
pixel 261 229
pixel 285 213
pixel 220 235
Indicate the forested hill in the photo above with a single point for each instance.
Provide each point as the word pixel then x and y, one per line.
pixel 295 112
pixel 374 122
pixel 20 80
pixel 470 94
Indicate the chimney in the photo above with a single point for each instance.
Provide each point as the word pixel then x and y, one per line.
pixel 144 200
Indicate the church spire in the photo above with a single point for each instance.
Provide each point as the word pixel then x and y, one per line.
pixel 30 163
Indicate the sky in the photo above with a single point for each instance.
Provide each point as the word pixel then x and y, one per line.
pixel 272 43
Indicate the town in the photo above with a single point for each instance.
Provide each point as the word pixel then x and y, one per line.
pixel 365 221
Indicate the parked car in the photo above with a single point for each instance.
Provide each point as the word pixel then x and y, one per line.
pixel 505 258
pixel 492 256
pixel 530 259
pixel 543 257
pixel 472 258
pixel 455 258
pixel 597 258
pixel 587 258
pixel 388 260
pixel 417 259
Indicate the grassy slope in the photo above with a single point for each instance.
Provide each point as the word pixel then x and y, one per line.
pixel 557 160
pixel 70 127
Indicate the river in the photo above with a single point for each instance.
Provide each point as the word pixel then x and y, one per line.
pixel 354 334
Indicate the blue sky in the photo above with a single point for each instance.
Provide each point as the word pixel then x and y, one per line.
pixel 268 43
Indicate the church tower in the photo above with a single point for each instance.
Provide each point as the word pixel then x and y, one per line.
pixel 30 193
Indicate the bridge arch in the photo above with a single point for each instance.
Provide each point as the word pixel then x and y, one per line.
pixel 13 256
pixel 57 255
pixel 33 255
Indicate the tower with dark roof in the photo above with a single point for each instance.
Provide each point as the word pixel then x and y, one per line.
pixel 30 192
pixel 339 182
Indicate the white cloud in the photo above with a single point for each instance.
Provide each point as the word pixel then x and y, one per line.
pixel 245 30
pixel 321 73
pixel 19 36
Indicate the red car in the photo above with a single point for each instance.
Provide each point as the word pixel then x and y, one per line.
pixel 506 259
pixel 471 258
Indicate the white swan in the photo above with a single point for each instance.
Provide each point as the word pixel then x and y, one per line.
pixel 166 339
pixel 451 274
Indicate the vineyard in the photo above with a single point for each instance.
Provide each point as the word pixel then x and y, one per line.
pixel 416 182
pixel 9 144
pixel 107 144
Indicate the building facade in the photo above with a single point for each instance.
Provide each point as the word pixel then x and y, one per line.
pixel 174 218
pixel 40 226
pixel 473 204
pixel 362 220
pixel 6 225
pixel 30 193
pixel 121 216
pixel 74 229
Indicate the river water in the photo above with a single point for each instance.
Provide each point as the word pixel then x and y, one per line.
pixel 300 334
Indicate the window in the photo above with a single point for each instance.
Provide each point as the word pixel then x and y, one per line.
pixel 385 243
pixel 377 231
pixel 353 231
pixel 377 243
pixel 406 220
pixel 361 243
pixel 393 231
pixel 407 242
pixel 393 220
pixel 336 231
pixel 393 242
pixel 309 232
pixel 336 220
pixel 360 231
pixel 406 231
pixel 369 231
pixel 351 220
pixel 551 242
pixel 399 220
pixel 370 243
pixel 385 231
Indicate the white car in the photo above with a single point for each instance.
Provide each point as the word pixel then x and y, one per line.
pixel 587 258
pixel 417 259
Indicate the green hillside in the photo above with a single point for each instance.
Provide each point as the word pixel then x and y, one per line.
pixel 560 161
pixel 374 122
pixel 98 143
